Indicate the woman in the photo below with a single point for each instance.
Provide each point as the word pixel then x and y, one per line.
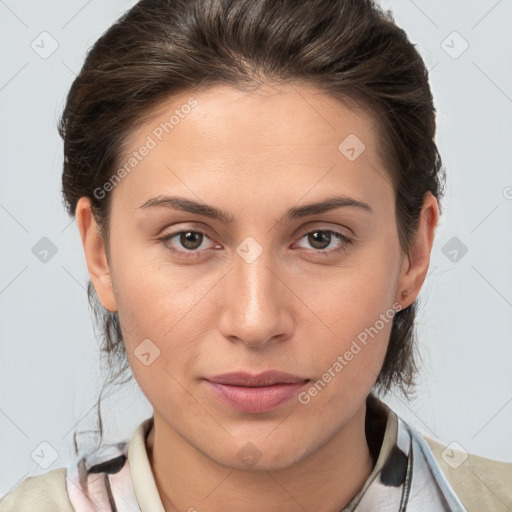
pixel 257 188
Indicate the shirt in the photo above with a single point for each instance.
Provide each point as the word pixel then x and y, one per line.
pixel 411 472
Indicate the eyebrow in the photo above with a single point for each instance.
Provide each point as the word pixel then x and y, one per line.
pixel 187 205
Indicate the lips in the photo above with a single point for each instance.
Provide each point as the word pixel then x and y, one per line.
pixel 267 378
pixel 255 393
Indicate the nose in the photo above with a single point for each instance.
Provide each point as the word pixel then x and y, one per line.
pixel 256 304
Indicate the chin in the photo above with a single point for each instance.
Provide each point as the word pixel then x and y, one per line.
pixel 260 456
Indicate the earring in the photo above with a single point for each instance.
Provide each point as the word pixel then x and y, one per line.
pixel 405 293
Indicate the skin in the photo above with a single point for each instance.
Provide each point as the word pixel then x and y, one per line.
pixel 255 155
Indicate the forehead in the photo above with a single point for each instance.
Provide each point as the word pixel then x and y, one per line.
pixel 230 116
pixel 288 138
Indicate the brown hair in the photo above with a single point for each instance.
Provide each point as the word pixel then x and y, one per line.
pixel 350 49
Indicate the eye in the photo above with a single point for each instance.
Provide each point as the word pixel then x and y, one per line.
pixel 320 239
pixel 190 240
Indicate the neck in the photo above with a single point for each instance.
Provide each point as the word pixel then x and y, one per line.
pixel 324 481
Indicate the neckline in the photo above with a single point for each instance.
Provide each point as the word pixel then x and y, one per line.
pixel 381 426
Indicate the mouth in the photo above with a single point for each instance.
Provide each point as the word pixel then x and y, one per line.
pixel 255 393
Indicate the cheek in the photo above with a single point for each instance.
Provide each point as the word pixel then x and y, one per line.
pixel 165 305
pixel 362 331
pixel 157 332
pixel 356 319
pixel 348 363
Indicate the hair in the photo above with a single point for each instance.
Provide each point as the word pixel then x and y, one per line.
pixel 350 49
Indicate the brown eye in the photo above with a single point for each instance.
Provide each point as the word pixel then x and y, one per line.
pixel 321 239
pixel 185 242
pixel 318 239
pixel 190 239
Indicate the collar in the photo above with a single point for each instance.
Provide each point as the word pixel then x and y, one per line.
pixel 142 475
pixel 406 475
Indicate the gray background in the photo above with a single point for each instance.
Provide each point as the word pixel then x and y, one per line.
pixel 49 367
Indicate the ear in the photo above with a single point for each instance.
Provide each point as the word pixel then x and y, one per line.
pixel 415 264
pixel 95 254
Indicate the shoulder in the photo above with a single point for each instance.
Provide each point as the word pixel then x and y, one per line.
pixel 41 493
pixel 481 484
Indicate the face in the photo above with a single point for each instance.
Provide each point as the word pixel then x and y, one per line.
pixel 269 284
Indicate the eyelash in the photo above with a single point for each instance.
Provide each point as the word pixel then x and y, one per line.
pixel 347 242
